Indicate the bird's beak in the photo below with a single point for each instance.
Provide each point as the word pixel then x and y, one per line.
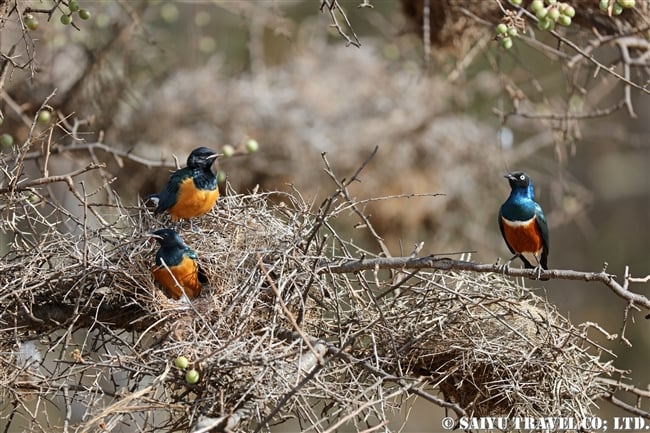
pixel 509 176
pixel 214 156
pixel 154 236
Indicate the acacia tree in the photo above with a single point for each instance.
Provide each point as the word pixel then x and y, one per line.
pixel 298 321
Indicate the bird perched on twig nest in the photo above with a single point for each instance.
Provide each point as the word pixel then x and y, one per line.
pixel 176 268
pixel 191 191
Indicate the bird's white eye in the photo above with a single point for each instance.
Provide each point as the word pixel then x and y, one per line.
pixel 522 177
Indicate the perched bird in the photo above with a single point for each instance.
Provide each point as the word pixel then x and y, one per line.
pixel 191 191
pixel 523 224
pixel 174 257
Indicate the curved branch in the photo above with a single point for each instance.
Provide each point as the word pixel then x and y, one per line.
pixel 585 54
pixel 447 264
pixel 52 179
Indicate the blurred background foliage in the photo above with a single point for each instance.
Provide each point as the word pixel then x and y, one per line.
pixel 157 78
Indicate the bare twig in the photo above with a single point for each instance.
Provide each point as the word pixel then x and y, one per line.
pixel 443 263
pixel 332 7
pixel 51 179
pixel 116 152
pixel 343 190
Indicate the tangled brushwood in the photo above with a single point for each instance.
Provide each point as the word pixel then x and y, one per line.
pixel 91 344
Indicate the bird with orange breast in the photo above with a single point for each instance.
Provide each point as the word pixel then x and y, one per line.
pixel 176 267
pixel 191 191
pixel 523 224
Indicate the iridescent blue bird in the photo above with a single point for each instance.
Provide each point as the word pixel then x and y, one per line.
pixel 523 224
pixel 191 191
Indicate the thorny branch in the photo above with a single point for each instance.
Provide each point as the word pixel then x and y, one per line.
pixel 348 33
pixel 325 208
pixel 343 190
pixel 447 264
pixel 67 178
pixel 117 153
pixel 623 42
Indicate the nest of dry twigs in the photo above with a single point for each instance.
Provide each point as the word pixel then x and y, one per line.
pixel 494 348
pixel 279 333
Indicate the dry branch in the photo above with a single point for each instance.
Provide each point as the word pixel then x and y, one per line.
pixel 346 31
pixel 67 178
pixel 462 25
pixel 444 263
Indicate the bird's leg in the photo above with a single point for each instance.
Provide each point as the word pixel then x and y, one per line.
pixel 504 268
pixel 538 268
pixel 195 229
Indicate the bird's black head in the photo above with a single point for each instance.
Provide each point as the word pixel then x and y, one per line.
pixel 167 238
pixel 202 157
pixel 518 179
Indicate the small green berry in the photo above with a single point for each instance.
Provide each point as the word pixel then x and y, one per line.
pixel 44 116
pixel 603 5
pixel 564 20
pixel 516 2
pixel 627 4
pixel 551 2
pixel 502 28
pixel 169 12
pixel 84 14
pixel 554 13
pixel 542 13
pixel 192 376
pixel 252 146
pixel 506 42
pixel 33 198
pixel 569 11
pixel 30 21
pixel 181 362
pixel 221 176
pixel 536 6
pixel 512 31
pixel 228 150
pixel 66 19
pixel 73 5
pixel 2 120
pixel 6 140
pixel 545 24
pixel 617 9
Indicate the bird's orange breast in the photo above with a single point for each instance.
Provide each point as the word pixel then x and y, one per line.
pixel 191 201
pixel 523 236
pixel 187 275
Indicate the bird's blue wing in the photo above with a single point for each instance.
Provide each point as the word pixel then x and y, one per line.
pixel 541 223
pixel 503 234
pixel 203 279
pixel 169 193
pixel 543 228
